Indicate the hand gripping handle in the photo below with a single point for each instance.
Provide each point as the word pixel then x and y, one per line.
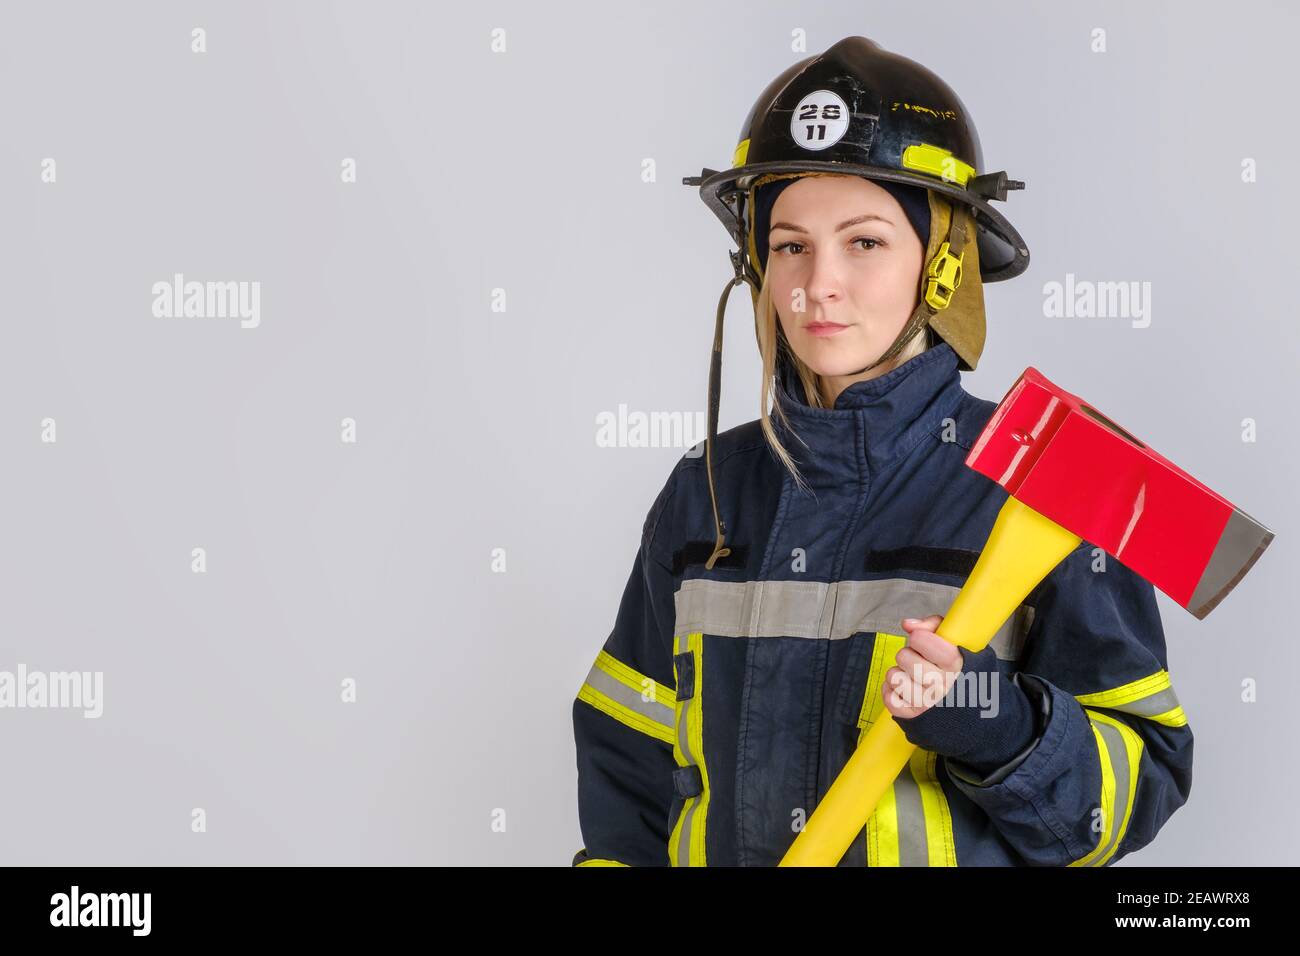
pixel 1022 549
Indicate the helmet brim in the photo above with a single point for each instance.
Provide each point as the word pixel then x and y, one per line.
pixel 1003 253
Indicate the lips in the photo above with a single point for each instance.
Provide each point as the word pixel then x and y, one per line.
pixel 822 329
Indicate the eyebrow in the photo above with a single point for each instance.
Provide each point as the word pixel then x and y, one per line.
pixel 842 226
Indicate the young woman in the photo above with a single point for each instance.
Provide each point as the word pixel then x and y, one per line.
pixel 788 584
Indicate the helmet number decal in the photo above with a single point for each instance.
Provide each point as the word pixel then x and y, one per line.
pixel 820 120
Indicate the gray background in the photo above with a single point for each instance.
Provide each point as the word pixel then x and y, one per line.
pixel 476 428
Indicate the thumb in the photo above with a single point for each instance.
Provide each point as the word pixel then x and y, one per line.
pixel 928 623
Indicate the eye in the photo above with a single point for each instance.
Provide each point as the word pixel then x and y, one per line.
pixel 797 247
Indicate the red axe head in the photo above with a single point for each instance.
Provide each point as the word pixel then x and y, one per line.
pixel 1073 465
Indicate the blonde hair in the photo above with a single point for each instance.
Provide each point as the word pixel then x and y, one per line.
pixel 765 323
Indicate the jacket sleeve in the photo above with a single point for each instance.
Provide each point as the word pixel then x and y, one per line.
pixel 624 719
pixel 1112 757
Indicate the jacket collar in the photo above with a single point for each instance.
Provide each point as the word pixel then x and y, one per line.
pixel 885 417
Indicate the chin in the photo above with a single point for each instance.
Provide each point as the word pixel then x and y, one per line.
pixel 829 359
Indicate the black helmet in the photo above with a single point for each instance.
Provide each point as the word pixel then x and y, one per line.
pixel 859 110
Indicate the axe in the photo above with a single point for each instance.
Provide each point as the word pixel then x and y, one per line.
pixel 1072 475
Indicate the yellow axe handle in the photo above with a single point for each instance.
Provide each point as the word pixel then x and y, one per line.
pixel 1022 549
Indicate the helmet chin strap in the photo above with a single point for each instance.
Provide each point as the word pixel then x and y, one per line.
pixel 916 324
pixel 742 275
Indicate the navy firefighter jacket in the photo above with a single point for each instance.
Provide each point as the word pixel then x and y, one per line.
pixel 725 702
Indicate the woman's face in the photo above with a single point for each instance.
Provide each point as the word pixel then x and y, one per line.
pixel 844 268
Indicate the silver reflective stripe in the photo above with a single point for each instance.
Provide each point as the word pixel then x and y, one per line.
pixel 1151 697
pixel 620 693
pixel 912 849
pixel 814 609
pixel 1119 767
pixel 1151 706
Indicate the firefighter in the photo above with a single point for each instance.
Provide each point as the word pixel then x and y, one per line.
pixel 788 582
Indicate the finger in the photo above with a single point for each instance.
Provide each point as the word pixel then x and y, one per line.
pixel 897 689
pixel 903 700
pixel 896 705
pixel 936 649
pixel 917 667
pixel 928 685
pixel 929 623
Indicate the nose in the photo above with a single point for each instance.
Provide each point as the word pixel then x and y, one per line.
pixel 823 279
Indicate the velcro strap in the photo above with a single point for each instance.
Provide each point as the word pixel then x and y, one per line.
pixel 685 666
pixel 688 782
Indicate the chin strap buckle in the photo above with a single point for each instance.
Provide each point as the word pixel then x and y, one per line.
pixel 943 277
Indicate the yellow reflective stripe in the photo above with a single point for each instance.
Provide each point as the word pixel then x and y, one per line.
pixel 1151 697
pixel 912 823
pixel 941 846
pixel 884 655
pixel 882 825
pixel 635 680
pixel 741 153
pixel 882 831
pixel 594 861
pixel 937 161
pixel 623 715
pixel 1107 802
pixel 618 690
pixel 1170 718
pixel 1119 749
pixel 686 842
